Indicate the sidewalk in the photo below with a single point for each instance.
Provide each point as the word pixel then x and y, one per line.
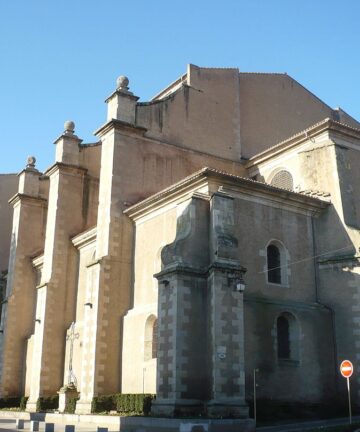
pixel 8 425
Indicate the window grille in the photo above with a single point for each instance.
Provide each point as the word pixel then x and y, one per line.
pixel 283 179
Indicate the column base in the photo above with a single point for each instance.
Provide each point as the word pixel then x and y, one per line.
pixel 227 409
pixel 31 406
pixel 83 407
pixel 65 394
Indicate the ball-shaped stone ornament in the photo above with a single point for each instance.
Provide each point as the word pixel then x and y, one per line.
pixel 31 161
pixel 122 82
pixel 69 126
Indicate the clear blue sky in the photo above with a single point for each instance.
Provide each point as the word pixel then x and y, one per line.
pixel 60 58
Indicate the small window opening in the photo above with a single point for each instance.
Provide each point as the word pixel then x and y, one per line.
pixel 283 338
pixel 151 339
pixel 274 264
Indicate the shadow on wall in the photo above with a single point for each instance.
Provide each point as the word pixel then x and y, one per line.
pixel 327 335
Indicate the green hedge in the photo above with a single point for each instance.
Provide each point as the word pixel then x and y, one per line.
pixel 12 402
pixel 103 403
pixel 71 405
pixel 123 403
pixel 47 403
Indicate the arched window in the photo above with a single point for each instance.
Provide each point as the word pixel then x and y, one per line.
pixel 273 264
pixel 288 337
pixel 283 179
pixel 283 337
pixel 277 258
pixel 150 340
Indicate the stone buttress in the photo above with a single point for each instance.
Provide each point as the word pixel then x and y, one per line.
pixel 200 315
pixel 64 219
pixel 17 317
pixel 110 273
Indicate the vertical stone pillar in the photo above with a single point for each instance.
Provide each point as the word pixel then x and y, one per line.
pixel 182 362
pixel 226 310
pixel 182 369
pixel 17 318
pixel 53 313
pixel 122 103
pixel 109 277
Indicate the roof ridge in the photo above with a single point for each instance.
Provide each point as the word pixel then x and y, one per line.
pixel 263 73
pixel 197 174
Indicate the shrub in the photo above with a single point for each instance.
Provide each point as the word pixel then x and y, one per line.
pixel 47 403
pixel 23 402
pixel 71 405
pixel 103 403
pixel 123 403
pixel 12 402
pixel 134 403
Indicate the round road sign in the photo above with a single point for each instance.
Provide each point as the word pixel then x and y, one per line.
pixel 346 368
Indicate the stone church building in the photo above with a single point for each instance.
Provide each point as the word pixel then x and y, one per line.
pixel 209 232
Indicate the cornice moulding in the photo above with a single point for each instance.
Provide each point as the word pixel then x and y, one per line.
pixel 57 166
pixel 327 125
pixel 119 125
pixel 84 238
pixel 18 197
pixel 215 178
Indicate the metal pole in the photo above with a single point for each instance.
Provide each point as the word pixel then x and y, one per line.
pixel 255 396
pixel 349 397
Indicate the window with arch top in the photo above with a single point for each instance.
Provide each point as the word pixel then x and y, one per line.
pixel 151 339
pixel 276 263
pixel 283 337
pixel 283 179
pixel 288 337
pixel 273 264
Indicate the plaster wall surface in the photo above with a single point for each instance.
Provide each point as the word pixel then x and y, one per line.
pixel 284 106
pixel 235 101
pixel 151 236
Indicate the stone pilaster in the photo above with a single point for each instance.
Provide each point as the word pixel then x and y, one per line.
pixel 55 294
pixel 227 341
pixel 122 103
pixel 226 312
pixel 109 277
pixel 182 369
pixel 17 321
pixel 182 363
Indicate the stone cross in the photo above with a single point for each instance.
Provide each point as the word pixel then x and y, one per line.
pixel 71 337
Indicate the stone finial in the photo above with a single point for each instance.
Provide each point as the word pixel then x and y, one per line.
pixel 122 83
pixel 69 127
pixel 30 162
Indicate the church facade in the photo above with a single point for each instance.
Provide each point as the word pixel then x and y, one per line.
pixel 207 233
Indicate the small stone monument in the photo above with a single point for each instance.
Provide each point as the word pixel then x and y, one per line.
pixel 66 393
pixel 69 391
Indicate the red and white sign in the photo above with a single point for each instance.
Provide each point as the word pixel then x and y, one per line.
pixel 346 368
